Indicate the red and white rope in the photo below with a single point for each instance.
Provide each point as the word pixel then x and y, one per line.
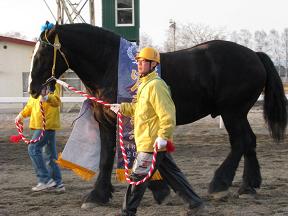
pixel 84 94
pixel 120 124
pixel 19 126
pixel 120 128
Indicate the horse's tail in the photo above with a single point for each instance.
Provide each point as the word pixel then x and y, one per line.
pixel 275 102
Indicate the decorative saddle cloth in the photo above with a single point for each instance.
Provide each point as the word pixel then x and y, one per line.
pixel 81 153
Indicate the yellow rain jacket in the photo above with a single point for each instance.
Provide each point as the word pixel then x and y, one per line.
pixel 153 112
pixel 51 110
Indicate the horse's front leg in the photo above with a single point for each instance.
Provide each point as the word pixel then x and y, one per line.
pixel 103 188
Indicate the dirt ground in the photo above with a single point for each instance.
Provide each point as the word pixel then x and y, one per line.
pixel 200 149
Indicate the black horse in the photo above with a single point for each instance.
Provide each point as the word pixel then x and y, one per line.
pixel 213 78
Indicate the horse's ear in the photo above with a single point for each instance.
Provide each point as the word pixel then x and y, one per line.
pixel 52 31
pixel 56 26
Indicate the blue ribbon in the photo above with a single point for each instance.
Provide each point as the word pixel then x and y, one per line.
pixel 47 26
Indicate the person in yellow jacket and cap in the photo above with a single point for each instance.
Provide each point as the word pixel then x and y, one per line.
pixel 43 153
pixel 154 122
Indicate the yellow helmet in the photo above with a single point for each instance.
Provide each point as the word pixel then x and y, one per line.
pixel 149 53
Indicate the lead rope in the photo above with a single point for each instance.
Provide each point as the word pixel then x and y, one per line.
pixel 19 126
pixel 120 124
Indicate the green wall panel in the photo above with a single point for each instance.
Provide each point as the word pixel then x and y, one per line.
pixel 131 33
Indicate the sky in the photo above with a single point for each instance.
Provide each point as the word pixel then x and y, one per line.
pixel 27 16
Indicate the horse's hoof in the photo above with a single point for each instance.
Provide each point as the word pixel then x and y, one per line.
pixel 246 192
pixel 247 196
pixel 221 195
pixel 88 205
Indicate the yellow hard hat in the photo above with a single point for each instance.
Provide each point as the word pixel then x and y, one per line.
pixel 149 53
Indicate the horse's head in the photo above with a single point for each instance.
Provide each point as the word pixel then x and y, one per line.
pixel 48 60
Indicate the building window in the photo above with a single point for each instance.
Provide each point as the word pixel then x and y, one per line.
pixel 69 77
pixel 124 12
pixel 25 84
pixel 72 79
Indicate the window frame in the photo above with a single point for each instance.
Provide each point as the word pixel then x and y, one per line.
pixel 124 9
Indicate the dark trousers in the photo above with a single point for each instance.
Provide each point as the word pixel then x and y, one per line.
pixel 169 172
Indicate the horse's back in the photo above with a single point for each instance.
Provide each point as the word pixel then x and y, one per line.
pixel 211 78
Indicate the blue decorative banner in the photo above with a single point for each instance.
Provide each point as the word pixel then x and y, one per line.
pixel 127 89
pixel 128 82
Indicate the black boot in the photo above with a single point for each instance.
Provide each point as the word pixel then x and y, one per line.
pixel 133 196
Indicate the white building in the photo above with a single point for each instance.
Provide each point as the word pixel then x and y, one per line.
pixel 15 58
pixel 15 61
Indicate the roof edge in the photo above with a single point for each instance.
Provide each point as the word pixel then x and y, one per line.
pixel 17 41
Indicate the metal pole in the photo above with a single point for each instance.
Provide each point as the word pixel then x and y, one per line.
pixel 67 11
pixel 92 13
pixel 59 12
pixel 173 26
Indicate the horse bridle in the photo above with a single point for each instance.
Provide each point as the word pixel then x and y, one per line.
pixel 56 47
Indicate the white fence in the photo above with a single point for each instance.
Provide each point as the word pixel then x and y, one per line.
pixel 10 100
pixel 14 104
pixel 81 99
pixel 261 98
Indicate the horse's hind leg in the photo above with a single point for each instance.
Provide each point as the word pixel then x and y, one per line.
pixel 240 137
pixel 251 174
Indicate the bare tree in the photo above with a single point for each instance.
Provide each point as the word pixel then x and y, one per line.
pixel 245 37
pixel 285 46
pixel 261 43
pixel 234 36
pixel 275 47
pixel 145 40
pixel 188 35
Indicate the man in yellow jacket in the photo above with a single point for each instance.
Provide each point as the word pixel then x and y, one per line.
pixel 44 151
pixel 154 122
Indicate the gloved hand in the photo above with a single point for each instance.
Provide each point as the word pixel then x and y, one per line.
pixel 43 98
pixel 115 108
pixel 19 117
pixel 160 143
pixel 45 91
pixel 44 94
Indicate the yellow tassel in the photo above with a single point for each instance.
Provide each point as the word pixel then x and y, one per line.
pixel 120 175
pixel 84 173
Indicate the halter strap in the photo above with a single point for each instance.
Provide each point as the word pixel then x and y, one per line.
pixel 56 47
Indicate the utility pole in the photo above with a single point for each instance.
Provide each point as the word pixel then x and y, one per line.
pixel 173 26
pixel 92 13
pixel 60 12
pixel 65 8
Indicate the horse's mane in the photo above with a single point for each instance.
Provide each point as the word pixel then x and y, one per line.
pixel 91 33
pixel 89 28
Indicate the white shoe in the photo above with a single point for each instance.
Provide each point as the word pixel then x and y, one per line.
pixel 59 188
pixel 42 186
